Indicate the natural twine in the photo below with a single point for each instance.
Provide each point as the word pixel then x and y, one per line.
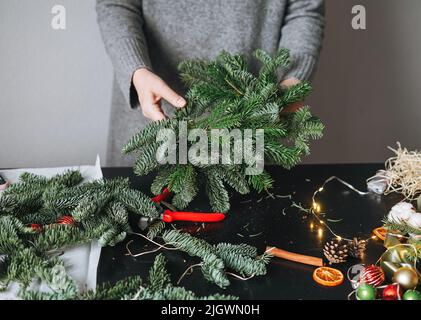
pixel 403 173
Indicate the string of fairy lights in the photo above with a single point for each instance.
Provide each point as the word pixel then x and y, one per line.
pixel 316 210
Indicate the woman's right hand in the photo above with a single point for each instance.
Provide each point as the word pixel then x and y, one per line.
pixel 150 90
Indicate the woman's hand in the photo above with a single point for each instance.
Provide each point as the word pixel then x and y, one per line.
pixel 150 90
pixel 297 105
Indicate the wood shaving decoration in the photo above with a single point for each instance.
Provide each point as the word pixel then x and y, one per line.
pixel 403 173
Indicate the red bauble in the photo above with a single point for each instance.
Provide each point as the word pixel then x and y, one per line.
pixel 391 292
pixel 67 220
pixel 372 275
pixel 36 227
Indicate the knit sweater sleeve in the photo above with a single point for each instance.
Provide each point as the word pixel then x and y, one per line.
pixel 121 25
pixel 302 34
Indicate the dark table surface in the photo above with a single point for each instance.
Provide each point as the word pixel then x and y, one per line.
pixel 265 221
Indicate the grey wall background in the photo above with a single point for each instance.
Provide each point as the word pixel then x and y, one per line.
pixel 55 86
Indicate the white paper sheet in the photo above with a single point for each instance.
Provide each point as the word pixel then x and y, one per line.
pixel 81 261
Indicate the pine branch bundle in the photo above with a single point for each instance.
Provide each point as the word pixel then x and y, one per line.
pixel 216 260
pixel 31 231
pixel 159 287
pixel 99 210
pixel 224 94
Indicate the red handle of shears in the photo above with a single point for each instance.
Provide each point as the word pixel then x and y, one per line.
pixel 170 216
pixel 162 196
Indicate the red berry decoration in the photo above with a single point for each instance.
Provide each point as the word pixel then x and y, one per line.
pixel 66 220
pixel 391 292
pixel 372 275
pixel 36 227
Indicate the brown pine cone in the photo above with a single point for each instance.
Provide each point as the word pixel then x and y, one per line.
pixel 356 248
pixel 336 251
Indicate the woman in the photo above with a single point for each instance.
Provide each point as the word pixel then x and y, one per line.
pixel 146 39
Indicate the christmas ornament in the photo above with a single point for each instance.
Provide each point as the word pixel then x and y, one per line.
pixel 366 292
pixel 412 295
pixel 406 277
pixel 391 292
pixel 36 227
pixel 393 238
pixel 328 277
pixel 395 257
pixel 336 250
pixel 372 275
pixel 356 248
pixel 66 220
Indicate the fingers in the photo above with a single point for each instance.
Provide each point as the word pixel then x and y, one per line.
pixel 151 89
pixel 155 113
pixel 151 109
pixel 289 82
pixel 171 96
pixel 293 107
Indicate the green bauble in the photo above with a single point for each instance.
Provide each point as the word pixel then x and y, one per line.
pixel 412 295
pixel 366 292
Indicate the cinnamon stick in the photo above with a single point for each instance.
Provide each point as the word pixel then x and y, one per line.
pixel 296 257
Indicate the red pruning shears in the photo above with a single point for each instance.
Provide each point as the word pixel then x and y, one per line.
pixel 173 215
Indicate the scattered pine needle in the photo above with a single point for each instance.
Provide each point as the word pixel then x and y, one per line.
pixel 288 196
pixel 255 235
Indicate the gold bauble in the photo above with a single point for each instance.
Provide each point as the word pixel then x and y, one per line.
pixel 407 277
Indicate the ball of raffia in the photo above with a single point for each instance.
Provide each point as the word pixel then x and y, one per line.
pixel 403 173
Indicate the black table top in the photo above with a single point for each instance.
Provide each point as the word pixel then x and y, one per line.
pixel 261 222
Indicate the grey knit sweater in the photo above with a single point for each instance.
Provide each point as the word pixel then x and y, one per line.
pixel 158 34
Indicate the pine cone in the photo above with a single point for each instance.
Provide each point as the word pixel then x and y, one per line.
pixel 356 248
pixel 336 251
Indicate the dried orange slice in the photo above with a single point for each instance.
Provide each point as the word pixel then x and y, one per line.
pixel 328 277
pixel 380 233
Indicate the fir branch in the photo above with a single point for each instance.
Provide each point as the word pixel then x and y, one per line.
pixel 224 93
pixel 401 227
pixel 213 266
pixel 155 229
pixel 216 191
pixel 158 275
pixel 125 287
pixel 147 135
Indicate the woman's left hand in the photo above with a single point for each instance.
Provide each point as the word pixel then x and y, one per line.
pixel 296 105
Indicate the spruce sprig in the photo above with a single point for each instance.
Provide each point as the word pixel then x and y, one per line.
pixel 224 93
pixel 217 260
